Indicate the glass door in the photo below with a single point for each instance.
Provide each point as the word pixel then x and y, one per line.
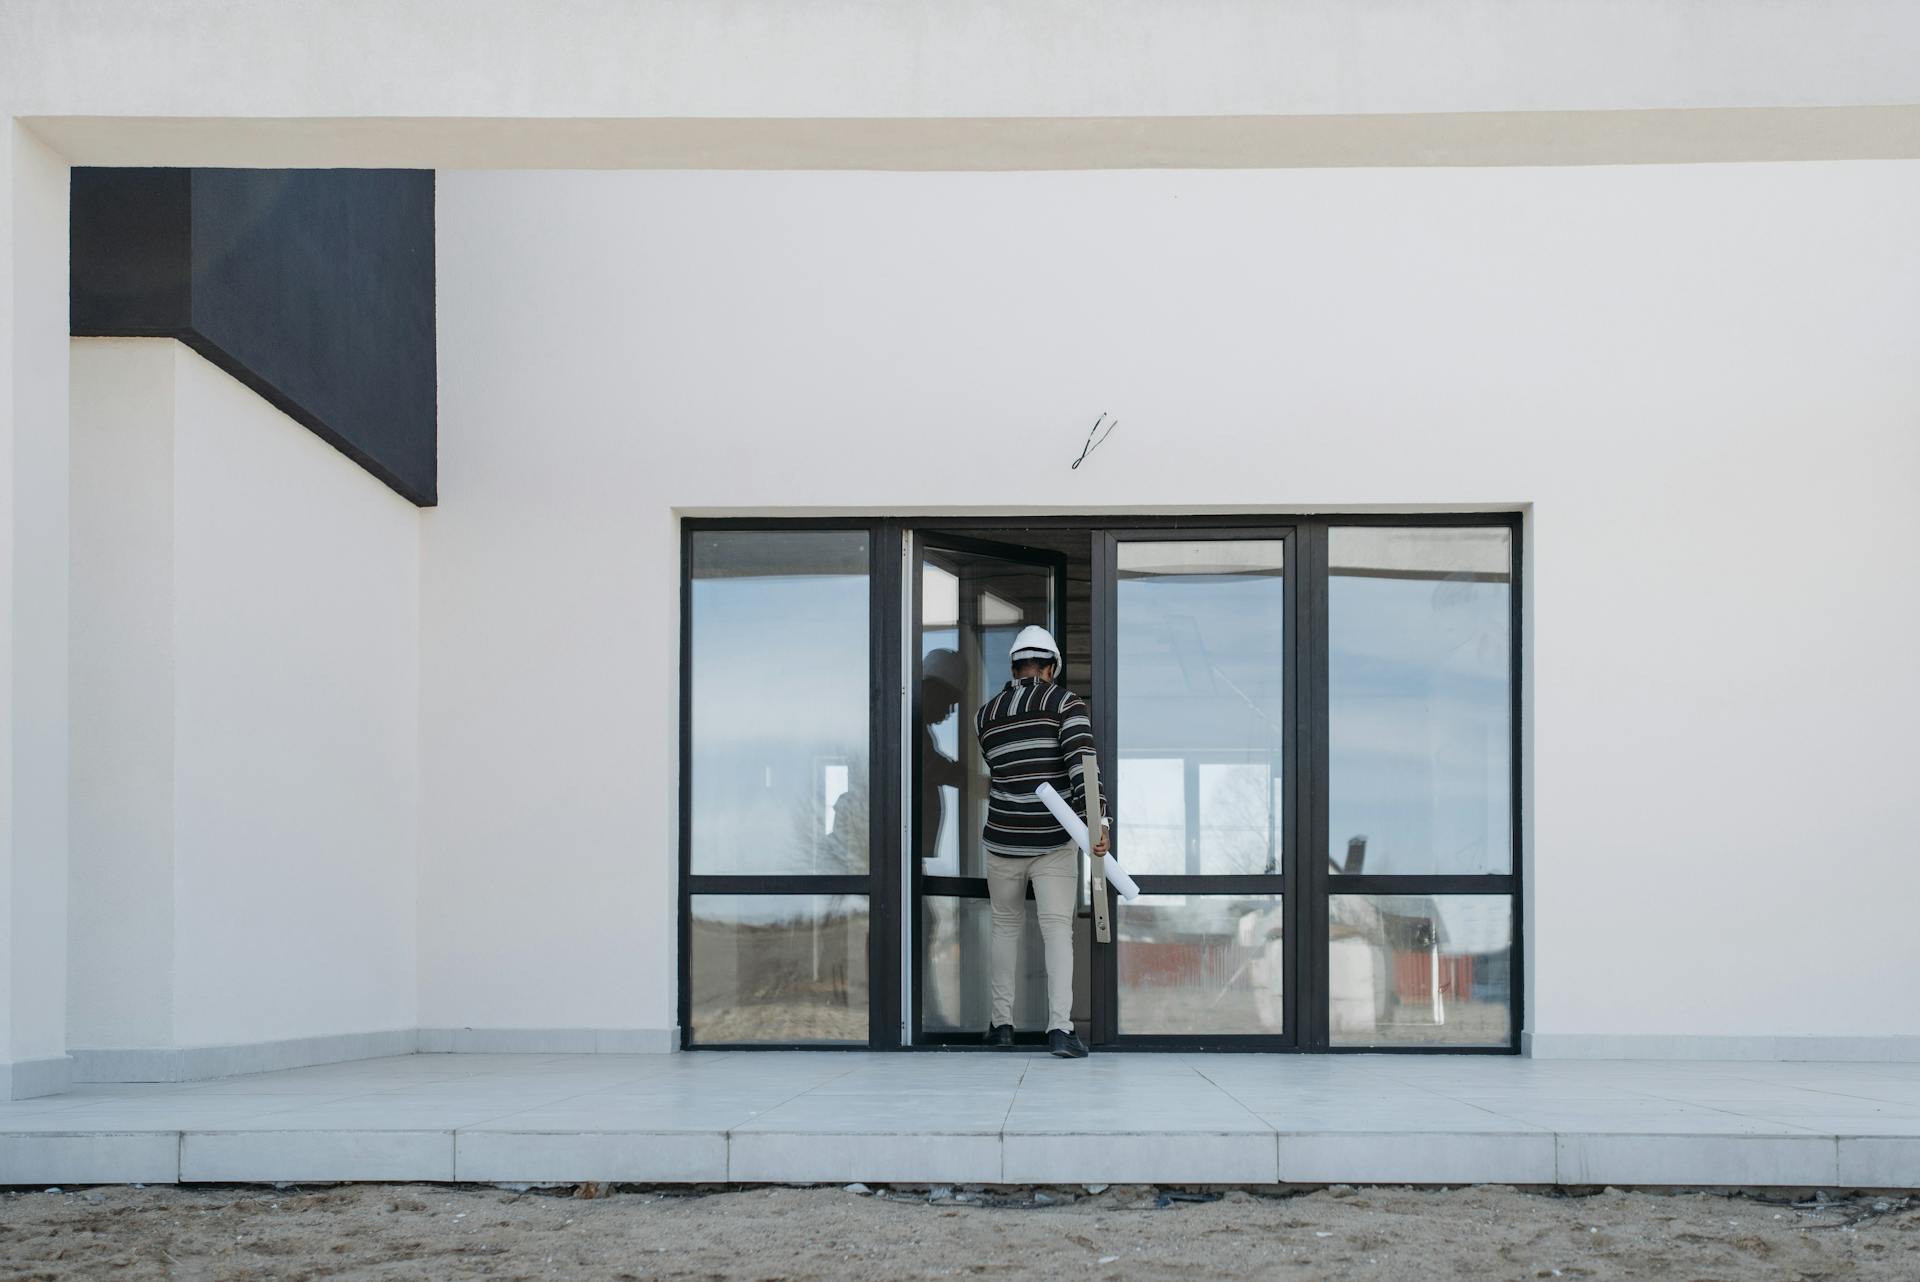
pixel 1194 633
pixel 970 599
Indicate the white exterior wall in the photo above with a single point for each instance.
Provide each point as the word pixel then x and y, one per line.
pixel 930 58
pixel 297 621
pixel 33 616
pixel 246 695
pixel 1698 381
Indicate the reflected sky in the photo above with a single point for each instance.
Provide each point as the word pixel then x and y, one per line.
pixel 1419 693
pixel 1201 677
pixel 780 703
pixel 1419 684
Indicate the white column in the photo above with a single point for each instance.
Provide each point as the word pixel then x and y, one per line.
pixel 33 616
pixel 121 734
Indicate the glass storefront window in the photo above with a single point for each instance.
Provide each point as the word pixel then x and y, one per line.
pixel 956 993
pixel 1201 649
pixel 781 695
pixel 1204 964
pixel 779 968
pixel 1193 635
pixel 1420 700
pixel 1419 970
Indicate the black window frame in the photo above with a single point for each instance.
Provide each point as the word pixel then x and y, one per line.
pixel 919 542
pixel 1286 883
pixel 880 884
pixel 1319 882
pixel 1309 880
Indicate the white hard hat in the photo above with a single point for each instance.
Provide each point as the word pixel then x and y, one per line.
pixel 1035 642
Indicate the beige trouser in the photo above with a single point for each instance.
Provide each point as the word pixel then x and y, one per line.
pixel 1056 893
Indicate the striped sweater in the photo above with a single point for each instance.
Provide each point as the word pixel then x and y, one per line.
pixel 1032 732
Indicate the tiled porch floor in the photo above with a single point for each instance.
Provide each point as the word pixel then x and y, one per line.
pixel 989 1118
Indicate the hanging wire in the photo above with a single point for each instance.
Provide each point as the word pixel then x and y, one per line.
pixel 1093 444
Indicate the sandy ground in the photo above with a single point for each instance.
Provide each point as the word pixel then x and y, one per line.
pixel 431 1232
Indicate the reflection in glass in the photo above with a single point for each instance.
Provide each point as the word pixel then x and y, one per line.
pixel 780 698
pixel 1155 829
pixel 1238 805
pixel 1201 653
pixel 1419 690
pixel 1201 964
pixel 1416 970
pixel 955 985
pixel 971 608
pixel 779 968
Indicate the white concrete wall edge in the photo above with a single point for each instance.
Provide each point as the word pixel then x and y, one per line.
pixel 1002 144
pixel 33 1078
pixel 549 1041
pixel 198 1063
pixel 1655 1046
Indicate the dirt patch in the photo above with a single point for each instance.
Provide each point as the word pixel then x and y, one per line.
pixel 371 1231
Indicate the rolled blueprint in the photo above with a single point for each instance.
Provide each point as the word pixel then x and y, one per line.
pixel 1077 829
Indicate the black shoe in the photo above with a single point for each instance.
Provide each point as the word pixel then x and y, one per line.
pixel 1066 1045
pixel 999 1036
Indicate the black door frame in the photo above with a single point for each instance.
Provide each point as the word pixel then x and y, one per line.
pixel 894 681
pixel 920 542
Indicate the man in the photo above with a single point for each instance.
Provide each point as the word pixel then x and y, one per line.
pixel 1034 732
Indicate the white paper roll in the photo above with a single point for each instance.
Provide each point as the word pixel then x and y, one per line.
pixel 1077 829
pixel 1117 877
pixel 1076 826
